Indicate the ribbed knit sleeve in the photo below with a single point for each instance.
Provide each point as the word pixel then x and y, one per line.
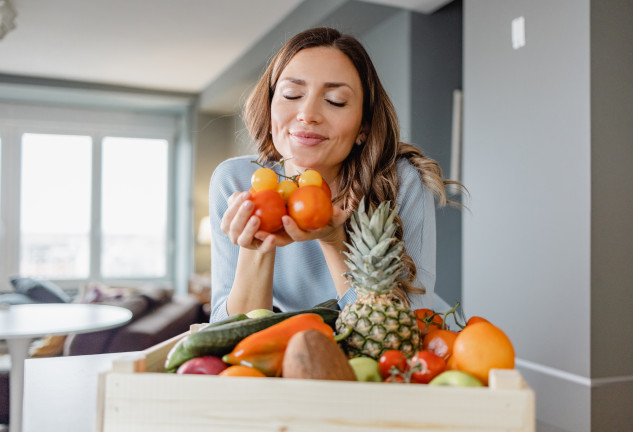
pixel 230 176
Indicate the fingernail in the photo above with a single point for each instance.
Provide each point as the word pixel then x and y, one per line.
pixel 247 205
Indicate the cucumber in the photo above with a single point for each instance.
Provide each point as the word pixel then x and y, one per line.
pixel 330 304
pixel 180 354
pixel 222 340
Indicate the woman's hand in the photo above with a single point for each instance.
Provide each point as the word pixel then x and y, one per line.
pixel 333 233
pixel 240 225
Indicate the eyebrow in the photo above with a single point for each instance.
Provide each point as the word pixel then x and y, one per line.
pixel 326 85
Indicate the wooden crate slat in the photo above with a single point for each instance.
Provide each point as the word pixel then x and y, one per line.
pixel 156 402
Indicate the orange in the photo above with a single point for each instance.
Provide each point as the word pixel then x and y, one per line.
pixel 480 347
pixel 240 370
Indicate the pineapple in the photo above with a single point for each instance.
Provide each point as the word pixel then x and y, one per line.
pixel 377 321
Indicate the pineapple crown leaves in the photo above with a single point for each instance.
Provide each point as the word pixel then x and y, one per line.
pixel 374 255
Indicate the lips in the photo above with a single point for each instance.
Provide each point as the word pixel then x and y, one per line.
pixel 307 138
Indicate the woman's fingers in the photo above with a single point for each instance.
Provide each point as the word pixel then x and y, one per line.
pixel 246 235
pixel 234 203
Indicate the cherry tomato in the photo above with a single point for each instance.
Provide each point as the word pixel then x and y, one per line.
pixel 310 177
pixel 425 366
pixel 264 179
pixel 392 359
pixel 440 342
pixel 427 320
pixel 285 188
pixel 269 208
pixel 394 379
pixel 310 207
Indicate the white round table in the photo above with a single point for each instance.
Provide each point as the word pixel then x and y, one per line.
pixel 20 324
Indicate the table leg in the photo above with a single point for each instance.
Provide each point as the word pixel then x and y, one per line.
pixel 18 350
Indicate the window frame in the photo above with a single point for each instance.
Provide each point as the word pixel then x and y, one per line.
pixel 98 124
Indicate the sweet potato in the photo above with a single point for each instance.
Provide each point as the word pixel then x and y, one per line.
pixel 312 355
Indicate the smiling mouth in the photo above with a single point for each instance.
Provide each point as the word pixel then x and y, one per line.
pixel 307 138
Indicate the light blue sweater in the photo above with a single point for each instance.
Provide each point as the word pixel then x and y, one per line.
pixel 301 277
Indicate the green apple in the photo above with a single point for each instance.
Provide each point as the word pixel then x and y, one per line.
pixel 257 313
pixel 365 368
pixel 456 378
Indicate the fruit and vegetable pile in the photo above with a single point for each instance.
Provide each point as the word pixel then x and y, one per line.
pixel 377 338
pixel 306 198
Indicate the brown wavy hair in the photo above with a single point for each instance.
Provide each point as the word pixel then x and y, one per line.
pixel 370 169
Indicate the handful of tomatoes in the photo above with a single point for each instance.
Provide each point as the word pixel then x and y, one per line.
pixel 306 198
pixel 476 348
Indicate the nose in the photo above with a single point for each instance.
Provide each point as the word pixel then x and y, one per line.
pixel 310 110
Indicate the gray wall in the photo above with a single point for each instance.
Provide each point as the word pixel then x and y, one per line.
pixel 546 153
pixel 419 60
pixel 436 71
pixel 394 65
pixel 611 214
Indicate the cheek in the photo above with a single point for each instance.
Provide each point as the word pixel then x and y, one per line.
pixel 278 118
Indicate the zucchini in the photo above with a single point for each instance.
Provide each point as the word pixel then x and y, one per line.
pixel 222 340
pixel 180 354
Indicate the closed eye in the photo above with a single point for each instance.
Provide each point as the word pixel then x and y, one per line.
pixel 336 104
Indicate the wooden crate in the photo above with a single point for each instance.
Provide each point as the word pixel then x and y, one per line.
pixel 136 396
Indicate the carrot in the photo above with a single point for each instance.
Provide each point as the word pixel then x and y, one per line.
pixel 264 350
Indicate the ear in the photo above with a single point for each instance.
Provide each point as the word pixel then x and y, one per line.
pixel 361 137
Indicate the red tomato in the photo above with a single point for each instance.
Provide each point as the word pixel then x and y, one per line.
pixel 310 207
pixel 425 366
pixel 475 319
pixel 427 321
pixel 440 342
pixel 394 379
pixel 327 189
pixel 269 208
pixel 392 359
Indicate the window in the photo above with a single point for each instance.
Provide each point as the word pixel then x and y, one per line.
pixel 57 205
pixel 88 195
pixel 134 208
pixel 55 197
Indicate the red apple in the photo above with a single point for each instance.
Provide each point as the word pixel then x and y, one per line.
pixel 206 365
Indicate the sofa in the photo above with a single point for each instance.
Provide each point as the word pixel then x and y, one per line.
pixel 157 315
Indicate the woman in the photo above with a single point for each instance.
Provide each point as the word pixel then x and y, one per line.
pixel 320 105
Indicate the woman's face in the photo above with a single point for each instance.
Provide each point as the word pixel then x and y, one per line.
pixel 316 111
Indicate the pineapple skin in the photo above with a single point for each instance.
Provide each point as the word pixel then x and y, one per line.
pixel 378 323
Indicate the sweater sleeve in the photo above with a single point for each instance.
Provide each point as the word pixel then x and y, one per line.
pixel 230 176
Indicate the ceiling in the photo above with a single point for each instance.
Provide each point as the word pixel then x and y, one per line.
pixel 166 45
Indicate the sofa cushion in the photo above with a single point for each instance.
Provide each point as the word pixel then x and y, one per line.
pixel 156 295
pixel 162 323
pixel 41 291
pixel 97 342
pixel 15 299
